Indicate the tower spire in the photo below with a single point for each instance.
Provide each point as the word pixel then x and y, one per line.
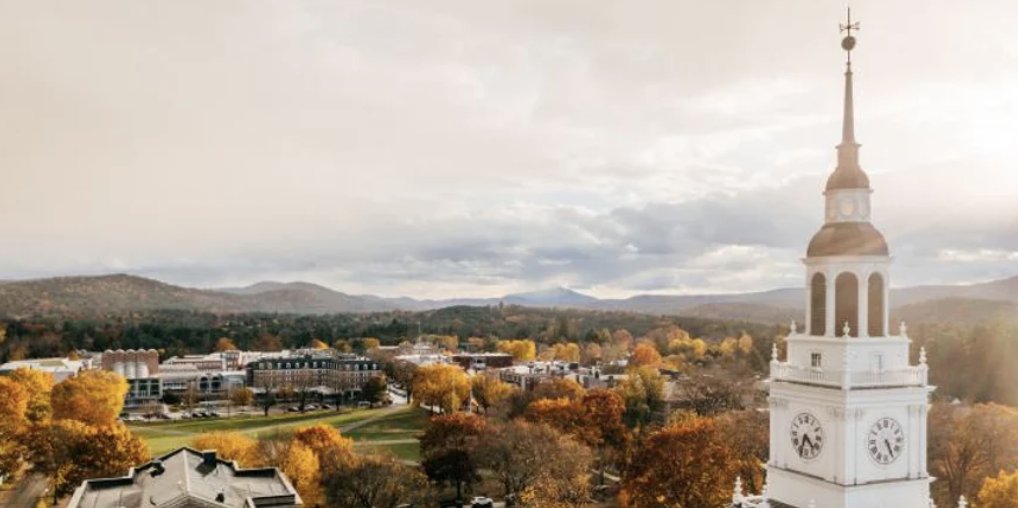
pixel 848 44
pixel 848 150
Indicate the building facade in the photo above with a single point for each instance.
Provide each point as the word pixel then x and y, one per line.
pixel 325 372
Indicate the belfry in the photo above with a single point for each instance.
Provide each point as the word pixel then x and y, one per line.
pixel 848 410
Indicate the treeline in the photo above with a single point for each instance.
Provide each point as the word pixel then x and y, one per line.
pixel 973 363
pixel 180 332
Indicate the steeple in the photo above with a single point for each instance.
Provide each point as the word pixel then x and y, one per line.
pixel 848 174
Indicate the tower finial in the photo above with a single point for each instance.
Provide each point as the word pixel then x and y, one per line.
pixel 848 43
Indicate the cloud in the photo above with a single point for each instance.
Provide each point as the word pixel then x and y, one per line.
pixel 459 148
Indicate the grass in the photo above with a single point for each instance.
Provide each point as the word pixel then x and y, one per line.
pixel 163 437
pixel 391 433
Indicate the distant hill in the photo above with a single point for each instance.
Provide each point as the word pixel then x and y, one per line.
pixel 120 293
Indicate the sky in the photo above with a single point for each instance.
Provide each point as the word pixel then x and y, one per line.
pixel 455 148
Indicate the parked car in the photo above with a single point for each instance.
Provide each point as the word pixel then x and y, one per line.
pixel 482 502
pixel 293 409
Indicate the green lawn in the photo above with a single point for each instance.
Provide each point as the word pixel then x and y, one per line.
pixel 163 437
pixel 400 426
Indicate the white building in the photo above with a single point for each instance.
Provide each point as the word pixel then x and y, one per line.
pixel 848 410
pixel 59 368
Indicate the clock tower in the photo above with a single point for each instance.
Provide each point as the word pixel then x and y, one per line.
pixel 848 410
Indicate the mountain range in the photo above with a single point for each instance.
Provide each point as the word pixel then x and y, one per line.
pixel 120 293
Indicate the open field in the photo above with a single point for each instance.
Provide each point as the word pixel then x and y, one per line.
pixel 393 429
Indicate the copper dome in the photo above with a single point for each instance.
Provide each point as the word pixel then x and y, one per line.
pixel 847 239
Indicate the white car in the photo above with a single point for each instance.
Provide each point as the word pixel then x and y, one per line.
pixel 481 502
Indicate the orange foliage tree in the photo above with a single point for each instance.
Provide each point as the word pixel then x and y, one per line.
pixel 684 465
pixel 70 451
pixel 644 354
pixel 332 449
pixel 1000 491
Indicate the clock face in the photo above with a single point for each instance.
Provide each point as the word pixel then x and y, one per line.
pixel 807 436
pixel 846 206
pixel 885 441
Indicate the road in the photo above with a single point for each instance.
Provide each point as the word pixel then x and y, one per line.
pixel 27 492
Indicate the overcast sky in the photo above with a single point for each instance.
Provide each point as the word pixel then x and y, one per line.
pixel 462 148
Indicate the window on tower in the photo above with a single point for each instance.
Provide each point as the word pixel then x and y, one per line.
pixel 818 305
pixel 875 327
pixel 846 303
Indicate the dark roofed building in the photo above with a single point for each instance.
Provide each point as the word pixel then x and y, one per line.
pixel 187 477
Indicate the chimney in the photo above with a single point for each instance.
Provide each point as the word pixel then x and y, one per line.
pixel 208 458
pixel 157 467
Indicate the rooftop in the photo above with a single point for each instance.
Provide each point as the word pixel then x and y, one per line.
pixel 187 477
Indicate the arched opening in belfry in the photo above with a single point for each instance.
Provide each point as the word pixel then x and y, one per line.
pixel 846 303
pixel 818 305
pixel 876 305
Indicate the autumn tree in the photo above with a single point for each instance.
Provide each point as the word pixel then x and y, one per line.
pixel 537 465
pixel 318 344
pixel 999 491
pixel 332 449
pixel 644 354
pixel 268 342
pixel 93 397
pixel 566 352
pixel 68 451
pixel 38 385
pixel 231 446
pixel 522 350
pixel 441 386
pixel 747 435
pixel 301 466
pixel 622 338
pixel 224 344
pixel 376 389
pixel 376 481
pixel 687 464
pixel 489 391
pixel 342 345
pixel 241 397
pixel 449 446
pixel 13 426
pixel 707 395
pixel 968 444
pixel 591 354
pixel 557 388
pixel 643 393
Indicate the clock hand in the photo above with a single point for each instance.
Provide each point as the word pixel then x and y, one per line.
pixel 805 439
pixel 889 450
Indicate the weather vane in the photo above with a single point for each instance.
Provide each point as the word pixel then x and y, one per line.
pixel 848 43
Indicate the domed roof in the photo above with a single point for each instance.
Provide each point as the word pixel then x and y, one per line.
pixel 848 177
pixel 847 239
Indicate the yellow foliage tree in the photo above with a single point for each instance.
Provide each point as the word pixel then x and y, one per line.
pixel 745 343
pixel 301 466
pixel 370 343
pixel 13 423
pixel 38 385
pixel 94 397
pixel 318 344
pixel 523 350
pixel 1000 491
pixel 488 390
pixel 441 385
pixel 231 446
pixel 225 344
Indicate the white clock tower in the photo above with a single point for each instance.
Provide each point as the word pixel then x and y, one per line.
pixel 847 409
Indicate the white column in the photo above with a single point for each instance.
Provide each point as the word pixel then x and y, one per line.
pixel 864 308
pixel 809 303
pixel 829 293
pixel 887 304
